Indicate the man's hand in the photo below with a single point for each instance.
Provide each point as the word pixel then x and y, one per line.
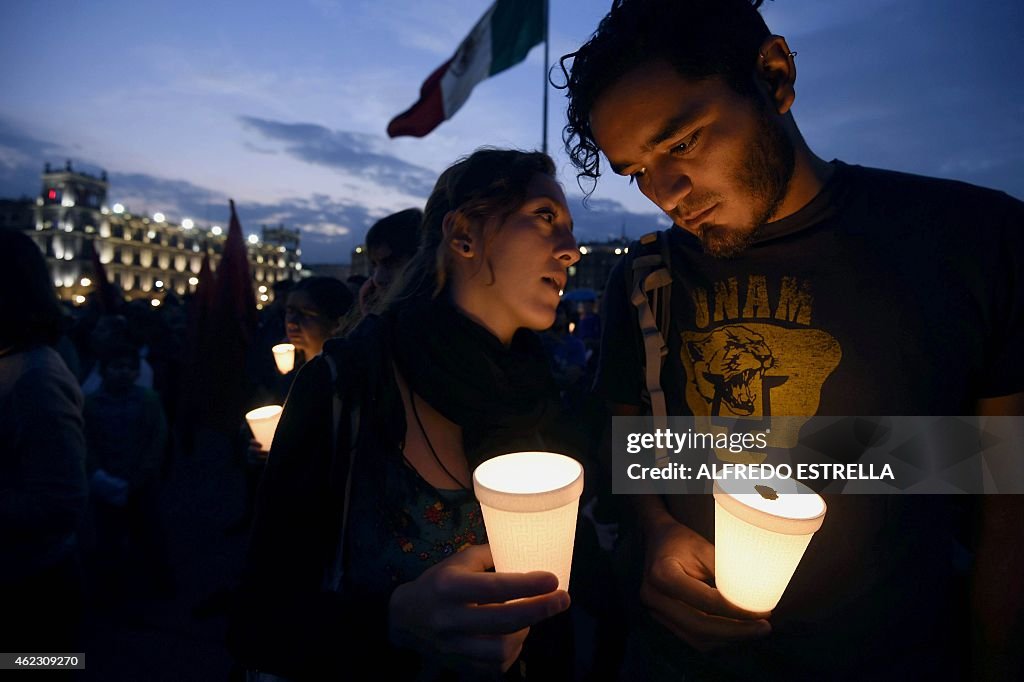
pixel 680 564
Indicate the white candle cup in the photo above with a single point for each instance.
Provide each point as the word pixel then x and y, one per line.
pixel 530 501
pixel 762 529
pixel 263 422
pixel 284 356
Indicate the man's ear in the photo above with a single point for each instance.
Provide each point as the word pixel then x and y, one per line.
pixel 457 235
pixel 776 71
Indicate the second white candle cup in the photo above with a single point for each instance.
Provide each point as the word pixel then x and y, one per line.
pixel 263 422
pixel 284 357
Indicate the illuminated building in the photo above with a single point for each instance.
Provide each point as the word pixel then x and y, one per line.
pixel 145 255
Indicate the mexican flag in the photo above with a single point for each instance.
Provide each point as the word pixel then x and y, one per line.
pixel 501 39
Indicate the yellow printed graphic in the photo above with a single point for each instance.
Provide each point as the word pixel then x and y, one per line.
pixel 758 369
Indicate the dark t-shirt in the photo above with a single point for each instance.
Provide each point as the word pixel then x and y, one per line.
pixel 888 294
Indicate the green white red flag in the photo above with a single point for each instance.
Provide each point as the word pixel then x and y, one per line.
pixel 501 39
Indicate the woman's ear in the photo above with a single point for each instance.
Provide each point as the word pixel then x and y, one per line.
pixel 457 235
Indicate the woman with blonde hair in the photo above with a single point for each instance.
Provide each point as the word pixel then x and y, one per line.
pixel 368 547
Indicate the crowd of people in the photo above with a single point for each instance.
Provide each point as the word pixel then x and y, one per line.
pixel 875 292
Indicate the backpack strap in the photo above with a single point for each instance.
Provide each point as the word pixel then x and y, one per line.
pixel 650 293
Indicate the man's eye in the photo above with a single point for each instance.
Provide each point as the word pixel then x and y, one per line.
pixel 547 214
pixel 688 144
pixel 634 177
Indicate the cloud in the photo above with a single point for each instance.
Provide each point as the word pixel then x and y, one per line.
pixel 163 194
pixel 21 160
pixel 352 153
pixel 604 219
pixel 331 225
pixel 959 119
pixel 433 28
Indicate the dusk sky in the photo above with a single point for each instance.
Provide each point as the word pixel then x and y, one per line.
pixel 282 106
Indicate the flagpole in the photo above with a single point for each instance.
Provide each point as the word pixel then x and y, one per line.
pixel 547 23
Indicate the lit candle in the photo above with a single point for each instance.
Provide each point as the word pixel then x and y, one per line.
pixel 761 531
pixel 284 356
pixel 530 501
pixel 263 422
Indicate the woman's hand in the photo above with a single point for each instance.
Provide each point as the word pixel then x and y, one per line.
pixel 256 453
pixel 458 615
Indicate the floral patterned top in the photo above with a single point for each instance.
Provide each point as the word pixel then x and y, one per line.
pixel 404 526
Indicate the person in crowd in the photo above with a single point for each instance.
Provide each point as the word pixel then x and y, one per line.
pixel 314 311
pixel 126 434
pixel 368 549
pixel 111 330
pixel 390 243
pixel 43 488
pixel 799 287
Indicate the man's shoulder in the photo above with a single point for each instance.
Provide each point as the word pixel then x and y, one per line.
pixel 650 251
pixel 905 188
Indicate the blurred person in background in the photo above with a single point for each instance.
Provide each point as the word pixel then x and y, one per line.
pixel 42 461
pixel 126 434
pixel 314 310
pixel 313 313
pixel 390 244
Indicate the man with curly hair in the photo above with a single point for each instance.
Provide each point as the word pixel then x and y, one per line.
pixel 801 287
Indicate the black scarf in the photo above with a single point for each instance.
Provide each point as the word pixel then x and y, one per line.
pixel 501 397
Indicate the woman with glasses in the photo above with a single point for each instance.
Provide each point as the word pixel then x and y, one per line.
pixel 313 313
pixel 368 548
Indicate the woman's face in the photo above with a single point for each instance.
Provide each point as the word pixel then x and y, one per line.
pixel 306 326
pixel 529 254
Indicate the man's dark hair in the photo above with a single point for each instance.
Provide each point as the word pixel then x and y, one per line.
pixel 699 38
pixel 399 231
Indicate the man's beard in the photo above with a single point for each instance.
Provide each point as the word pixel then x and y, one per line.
pixel 764 175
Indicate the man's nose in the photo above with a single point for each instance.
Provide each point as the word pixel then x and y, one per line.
pixel 666 187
